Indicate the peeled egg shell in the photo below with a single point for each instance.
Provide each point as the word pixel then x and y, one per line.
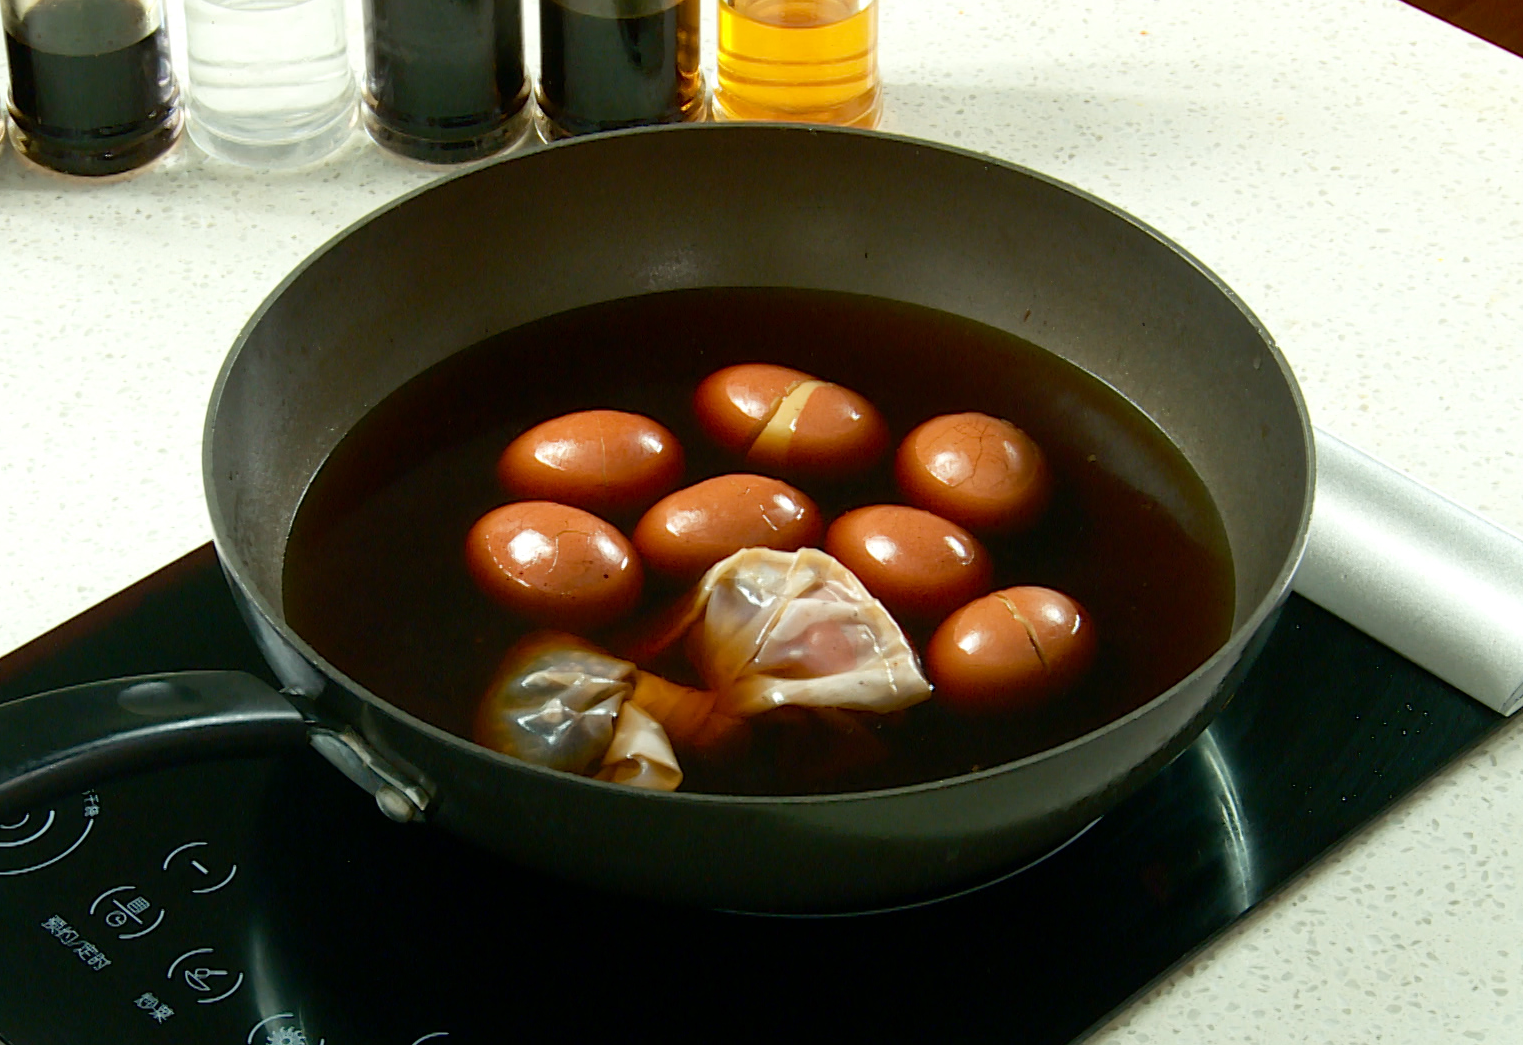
pixel 734 404
pixel 605 461
pixel 785 420
pixel 979 471
pixel 1015 649
pixel 919 565
pixel 686 532
pixel 556 565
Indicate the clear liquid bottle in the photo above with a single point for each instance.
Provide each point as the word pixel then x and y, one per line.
pixel 270 82
pixel 445 80
pixel 92 89
pixel 810 61
pixel 606 64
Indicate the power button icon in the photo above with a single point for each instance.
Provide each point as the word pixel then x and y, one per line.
pixel 200 866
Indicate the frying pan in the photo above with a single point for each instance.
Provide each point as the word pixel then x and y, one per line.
pixel 704 206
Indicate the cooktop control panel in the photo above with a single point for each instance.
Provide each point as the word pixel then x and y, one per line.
pixel 149 905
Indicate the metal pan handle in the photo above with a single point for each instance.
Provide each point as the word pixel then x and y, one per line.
pixel 68 739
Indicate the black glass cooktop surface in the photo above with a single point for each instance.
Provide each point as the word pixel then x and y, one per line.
pixel 268 902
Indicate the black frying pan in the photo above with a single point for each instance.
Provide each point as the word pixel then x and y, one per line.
pixel 716 205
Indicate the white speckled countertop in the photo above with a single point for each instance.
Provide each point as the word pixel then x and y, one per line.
pixel 1352 168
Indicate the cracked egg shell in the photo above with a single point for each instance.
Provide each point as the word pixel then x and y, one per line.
pixel 690 530
pixel 1013 650
pixel 979 471
pixel 554 565
pixel 789 421
pixel 604 461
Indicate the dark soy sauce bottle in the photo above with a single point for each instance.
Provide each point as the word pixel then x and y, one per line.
pixel 446 81
pixel 92 90
pixel 606 64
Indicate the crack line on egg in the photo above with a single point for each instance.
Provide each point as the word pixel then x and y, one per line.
pixel 1036 647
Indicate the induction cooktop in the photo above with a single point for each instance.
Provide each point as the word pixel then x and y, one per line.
pixel 266 901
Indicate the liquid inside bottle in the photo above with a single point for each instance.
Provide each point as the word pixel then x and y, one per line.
pixel 270 83
pixel 812 61
pixel 606 64
pixel 445 79
pixel 92 90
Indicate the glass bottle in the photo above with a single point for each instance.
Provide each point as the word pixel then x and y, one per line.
pixel 606 64
pixel 809 61
pixel 445 79
pixel 269 80
pixel 92 89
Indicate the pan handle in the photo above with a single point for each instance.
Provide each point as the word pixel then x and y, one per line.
pixel 68 739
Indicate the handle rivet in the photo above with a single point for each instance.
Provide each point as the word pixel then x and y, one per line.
pixel 395 804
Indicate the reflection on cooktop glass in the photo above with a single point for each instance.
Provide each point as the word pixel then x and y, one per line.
pixel 267 902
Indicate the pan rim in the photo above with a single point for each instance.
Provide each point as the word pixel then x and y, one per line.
pixel 239 571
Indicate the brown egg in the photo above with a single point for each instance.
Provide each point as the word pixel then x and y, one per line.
pixel 555 565
pixel 688 531
pixel 605 461
pixel 979 471
pixel 786 420
pixel 919 565
pixel 1015 649
pixel 733 404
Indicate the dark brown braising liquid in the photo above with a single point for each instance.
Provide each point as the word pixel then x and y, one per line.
pixel 375 577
